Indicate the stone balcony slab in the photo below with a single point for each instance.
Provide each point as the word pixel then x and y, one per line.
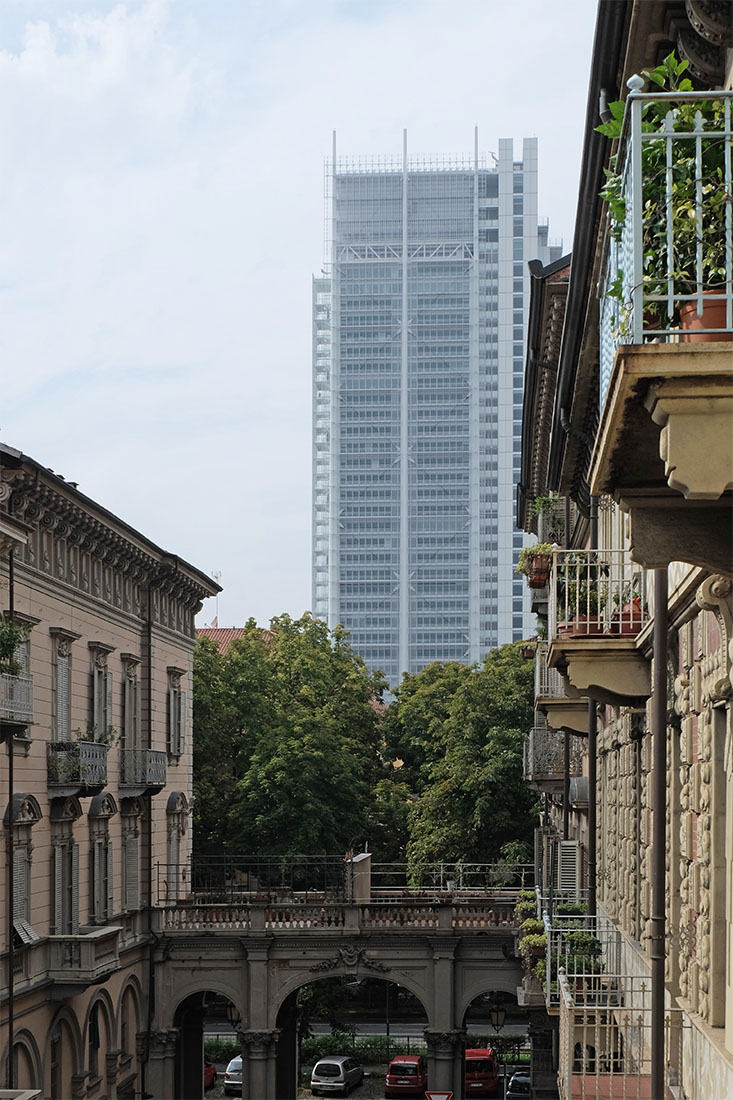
pixel 664 451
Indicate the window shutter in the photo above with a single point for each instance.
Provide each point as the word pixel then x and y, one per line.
pixel 63 698
pixel 173 858
pixel 74 889
pixel 110 899
pixel 95 899
pixel 132 900
pixel 21 655
pixel 181 722
pixel 569 868
pixel 21 907
pixel 108 713
pixel 58 889
pixel 133 717
pixel 96 701
pixel 169 722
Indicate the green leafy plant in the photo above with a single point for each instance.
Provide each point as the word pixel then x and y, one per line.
pixel 105 735
pixel 678 205
pixel 11 635
pixel 531 927
pixel 527 561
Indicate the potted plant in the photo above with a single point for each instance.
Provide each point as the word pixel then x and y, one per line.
pixel 670 196
pixel 550 513
pixel 534 562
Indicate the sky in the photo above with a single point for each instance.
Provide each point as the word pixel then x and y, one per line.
pixel 161 217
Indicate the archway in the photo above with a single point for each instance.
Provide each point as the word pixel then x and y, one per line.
pixel 28 1073
pixel 190 1020
pixel 62 1057
pixel 368 1018
pixel 128 1025
pixel 493 1022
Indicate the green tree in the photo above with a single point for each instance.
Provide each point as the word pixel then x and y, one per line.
pixel 286 723
pixel 474 801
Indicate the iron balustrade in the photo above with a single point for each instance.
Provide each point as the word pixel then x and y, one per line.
pixel 596 592
pixel 544 755
pixel 16 697
pixel 142 768
pixel 639 304
pixel 76 763
pixel 605 1037
pixel 548 683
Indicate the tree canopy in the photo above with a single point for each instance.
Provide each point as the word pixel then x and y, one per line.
pixel 295 754
pixel 286 741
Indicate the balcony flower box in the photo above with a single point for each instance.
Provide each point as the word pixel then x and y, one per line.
pixel 534 562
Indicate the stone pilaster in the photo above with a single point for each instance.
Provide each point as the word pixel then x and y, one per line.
pixel 259 1053
pixel 445 1059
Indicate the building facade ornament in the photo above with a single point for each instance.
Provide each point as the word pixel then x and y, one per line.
pixel 351 957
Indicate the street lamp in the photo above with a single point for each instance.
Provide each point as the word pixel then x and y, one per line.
pixel 233 1016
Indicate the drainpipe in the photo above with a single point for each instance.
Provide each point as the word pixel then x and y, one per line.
pixel 148 826
pixel 10 860
pixel 659 803
pixel 592 752
pixel 566 786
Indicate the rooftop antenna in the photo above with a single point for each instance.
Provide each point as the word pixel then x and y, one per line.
pixel 216 574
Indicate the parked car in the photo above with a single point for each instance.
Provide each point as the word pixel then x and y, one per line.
pixel 339 1074
pixel 407 1075
pixel 233 1077
pixel 209 1074
pixel 482 1072
pixel 518 1086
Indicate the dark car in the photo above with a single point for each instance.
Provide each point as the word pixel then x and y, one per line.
pixel 518 1086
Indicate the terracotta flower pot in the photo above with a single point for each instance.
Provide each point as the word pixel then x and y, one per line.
pixel 713 316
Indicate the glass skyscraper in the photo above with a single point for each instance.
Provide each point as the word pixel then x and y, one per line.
pixel 418 352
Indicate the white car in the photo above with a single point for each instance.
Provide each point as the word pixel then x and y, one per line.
pixel 337 1074
pixel 233 1077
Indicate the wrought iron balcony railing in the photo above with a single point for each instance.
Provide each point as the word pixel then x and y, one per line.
pixel 142 768
pixel 76 765
pixel 16 698
pixel 548 683
pixel 596 592
pixel 544 755
pixel 669 236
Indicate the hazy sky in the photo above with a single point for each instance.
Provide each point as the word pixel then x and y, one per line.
pixel 161 215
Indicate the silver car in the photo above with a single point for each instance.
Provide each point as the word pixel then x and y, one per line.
pixel 336 1074
pixel 233 1077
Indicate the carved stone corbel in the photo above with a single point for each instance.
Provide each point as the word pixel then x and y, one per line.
pixel 714 595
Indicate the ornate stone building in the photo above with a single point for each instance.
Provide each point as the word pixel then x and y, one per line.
pixel 95 781
pixel 628 437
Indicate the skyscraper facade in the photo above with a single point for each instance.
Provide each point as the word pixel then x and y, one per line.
pixel 418 352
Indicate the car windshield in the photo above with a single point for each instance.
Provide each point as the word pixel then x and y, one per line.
pixel 408 1070
pixel 479 1065
pixel 327 1069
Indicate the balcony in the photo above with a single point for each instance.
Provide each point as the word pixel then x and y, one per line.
pixel 563 707
pixel 142 771
pixel 544 759
pixel 16 702
pixel 598 607
pixel 665 445
pixel 605 1039
pixel 75 962
pixel 75 768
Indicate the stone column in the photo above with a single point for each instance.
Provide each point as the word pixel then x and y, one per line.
pixel 445 1059
pixel 161 1063
pixel 259 1052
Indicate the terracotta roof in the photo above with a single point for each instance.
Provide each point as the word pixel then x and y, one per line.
pixel 223 636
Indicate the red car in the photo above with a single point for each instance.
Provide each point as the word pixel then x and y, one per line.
pixel 482 1072
pixel 209 1074
pixel 407 1075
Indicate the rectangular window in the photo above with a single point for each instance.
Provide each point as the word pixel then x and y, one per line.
pixel 101 901
pixel 65 884
pixel 176 716
pixel 130 708
pixel 131 870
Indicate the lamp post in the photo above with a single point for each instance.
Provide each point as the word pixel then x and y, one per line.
pixel 497 1016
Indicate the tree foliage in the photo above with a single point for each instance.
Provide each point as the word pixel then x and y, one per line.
pixel 286 741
